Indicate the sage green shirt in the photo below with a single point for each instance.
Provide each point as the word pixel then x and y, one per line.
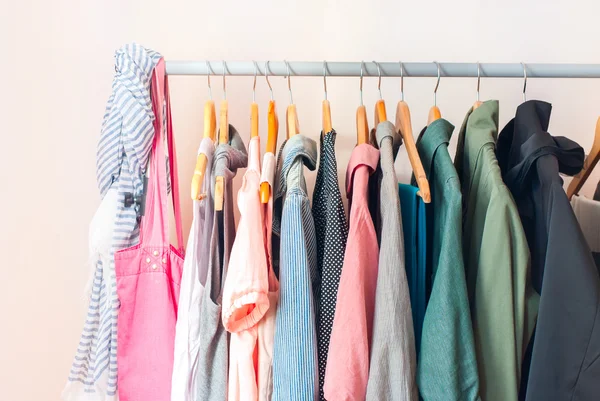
pixel 447 369
pixel 503 303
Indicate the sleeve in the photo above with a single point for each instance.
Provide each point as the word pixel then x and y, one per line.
pixel 245 293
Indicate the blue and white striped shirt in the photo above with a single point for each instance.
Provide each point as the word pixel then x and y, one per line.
pixel 295 373
pixel 122 156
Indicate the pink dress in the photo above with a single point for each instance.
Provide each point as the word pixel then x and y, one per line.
pixel 266 326
pixel 148 276
pixel 347 370
pixel 245 294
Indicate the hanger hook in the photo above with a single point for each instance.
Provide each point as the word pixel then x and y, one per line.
pixel 287 66
pixel 379 80
pixel 478 79
pixel 325 77
pixel 224 88
pixel 524 81
pixel 437 83
pixel 254 85
pixel 401 80
pixel 208 71
pixel 362 63
pixel 267 70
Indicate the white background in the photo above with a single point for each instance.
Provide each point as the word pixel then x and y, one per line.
pixel 56 66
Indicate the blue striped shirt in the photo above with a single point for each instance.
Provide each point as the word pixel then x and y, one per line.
pixel 122 154
pixel 295 374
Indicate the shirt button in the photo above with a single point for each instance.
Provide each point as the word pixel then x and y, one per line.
pixel 147 260
pixel 155 253
pixel 164 260
pixel 154 267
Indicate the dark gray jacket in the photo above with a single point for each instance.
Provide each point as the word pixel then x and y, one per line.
pixel 563 359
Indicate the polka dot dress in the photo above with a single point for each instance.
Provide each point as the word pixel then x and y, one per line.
pixel 332 231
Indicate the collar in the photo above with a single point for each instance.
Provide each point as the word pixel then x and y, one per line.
pixel 254 154
pixel 229 157
pixel 293 154
pixel 525 139
pixel 481 127
pixel 297 149
pixel 430 139
pixel 384 130
pixel 362 155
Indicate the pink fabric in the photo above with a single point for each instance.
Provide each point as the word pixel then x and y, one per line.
pixel 266 326
pixel 148 275
pixel 245 294
pixel 348 358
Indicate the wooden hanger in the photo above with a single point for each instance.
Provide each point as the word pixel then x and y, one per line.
pixel 588 165
pixel 210 125
pixel 253 120
pixel 477 102
pixel 223 139
pixel 272 131
pixel 434 111
pixel 327 126
pixel 380 114
pixel 362 124
pixel 404 127
pixel 254 108
pixel 291 116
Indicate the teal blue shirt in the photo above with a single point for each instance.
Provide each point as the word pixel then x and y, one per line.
pixel 415 253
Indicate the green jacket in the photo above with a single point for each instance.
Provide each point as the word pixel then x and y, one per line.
pixel 497 261
pixel 447 369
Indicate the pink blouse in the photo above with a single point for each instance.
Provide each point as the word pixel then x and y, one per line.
pixel 245 294
pixel 348 358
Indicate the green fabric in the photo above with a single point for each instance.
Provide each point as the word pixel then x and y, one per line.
pixel 497 263
pixel 447 369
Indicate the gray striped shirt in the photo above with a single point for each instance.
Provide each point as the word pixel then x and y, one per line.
pixel 393 355
pixel 122 155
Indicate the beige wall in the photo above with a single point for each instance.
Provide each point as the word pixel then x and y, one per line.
pixel 57 64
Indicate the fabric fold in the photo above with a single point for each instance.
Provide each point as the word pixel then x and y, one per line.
pixel 347 369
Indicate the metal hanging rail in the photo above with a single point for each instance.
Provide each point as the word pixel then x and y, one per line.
pixel 388 69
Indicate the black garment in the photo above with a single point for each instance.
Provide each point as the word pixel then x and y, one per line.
pixel 332 232
pixel 564 362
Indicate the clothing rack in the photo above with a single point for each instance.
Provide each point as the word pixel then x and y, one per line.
pixel 388 69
